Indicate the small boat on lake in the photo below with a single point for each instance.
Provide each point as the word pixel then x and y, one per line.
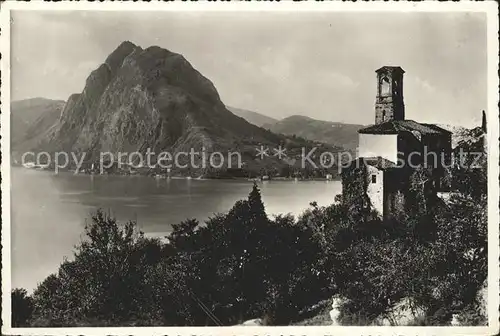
pixel 29 165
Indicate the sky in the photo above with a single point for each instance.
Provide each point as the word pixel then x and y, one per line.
pixel 317 64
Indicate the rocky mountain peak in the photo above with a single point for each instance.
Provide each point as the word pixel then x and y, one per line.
pixel 116 58
pixel 153 99
pixel 148 98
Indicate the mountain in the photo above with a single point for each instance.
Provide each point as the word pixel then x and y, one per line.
pixel 152 99
pixel 149 98
pixel 469 140
pixel 252 117
pixel 459 134
pixel 30 118
pixel 334 133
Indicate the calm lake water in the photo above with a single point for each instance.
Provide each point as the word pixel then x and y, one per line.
pixel 49 211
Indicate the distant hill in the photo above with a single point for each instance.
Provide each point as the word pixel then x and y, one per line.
pixel 334 133
pixel 459 134
pixel 252 117
pixel 469 140
pixel 30 118
pixel 153 99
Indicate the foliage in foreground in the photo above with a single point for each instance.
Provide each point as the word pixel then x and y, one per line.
pixel 243 264
pixel 231 268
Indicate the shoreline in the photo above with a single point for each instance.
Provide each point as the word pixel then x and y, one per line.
pixel 184 177
pixel 159 199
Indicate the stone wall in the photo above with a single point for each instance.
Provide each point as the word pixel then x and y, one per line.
pixel 375 189
pixel 354 186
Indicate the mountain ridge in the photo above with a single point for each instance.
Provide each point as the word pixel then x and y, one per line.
pixel 135 88
pixel 252 117
pixel 153 99
pixel 30 118
pixel 333 133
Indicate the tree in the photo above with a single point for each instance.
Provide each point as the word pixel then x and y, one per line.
pixel 441 275
pixel 255 266
pixel 255 204
pixel 22 307
pixel 105 283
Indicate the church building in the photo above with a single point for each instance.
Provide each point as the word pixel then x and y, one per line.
pixel 392 151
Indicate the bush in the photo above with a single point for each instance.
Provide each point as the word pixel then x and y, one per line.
pixel 106 279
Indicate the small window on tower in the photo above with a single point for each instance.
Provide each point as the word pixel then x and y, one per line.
pixel 374 178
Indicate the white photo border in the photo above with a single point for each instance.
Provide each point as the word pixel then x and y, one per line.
pixel 490 8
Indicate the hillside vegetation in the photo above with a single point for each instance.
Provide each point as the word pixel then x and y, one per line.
pixel 334 133
pixel 30 121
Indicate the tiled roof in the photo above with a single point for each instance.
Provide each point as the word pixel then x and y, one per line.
pixel 397 126
pixel 376 161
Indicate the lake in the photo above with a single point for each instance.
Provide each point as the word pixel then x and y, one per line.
pixel 49 210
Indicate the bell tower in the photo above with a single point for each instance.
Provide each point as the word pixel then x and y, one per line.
pixel 389 104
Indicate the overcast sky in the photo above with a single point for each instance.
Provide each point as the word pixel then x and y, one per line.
pixel 279 64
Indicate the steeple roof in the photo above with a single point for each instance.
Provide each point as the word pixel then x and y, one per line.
pixel 391 68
